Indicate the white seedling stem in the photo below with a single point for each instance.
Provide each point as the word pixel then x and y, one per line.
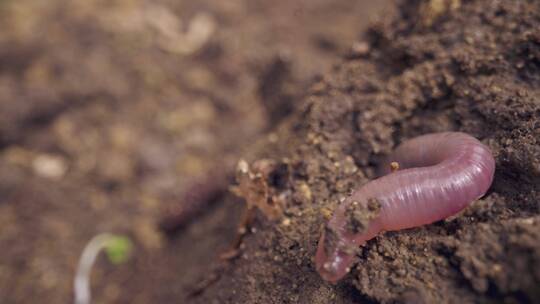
pixel 84 269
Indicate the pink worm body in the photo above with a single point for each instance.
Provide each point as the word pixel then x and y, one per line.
pixel 440 174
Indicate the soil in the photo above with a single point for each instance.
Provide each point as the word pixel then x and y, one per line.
pixel 470 66
pixel 105 123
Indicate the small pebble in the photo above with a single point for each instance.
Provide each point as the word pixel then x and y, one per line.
pixel 359 49
pixel 49 166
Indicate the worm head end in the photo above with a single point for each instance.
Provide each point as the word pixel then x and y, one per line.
pixel 331 262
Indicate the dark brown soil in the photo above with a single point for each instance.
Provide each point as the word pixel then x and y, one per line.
pixel 105 124
pixel 471 66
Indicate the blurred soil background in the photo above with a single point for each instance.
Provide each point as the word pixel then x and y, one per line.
pixel 110 110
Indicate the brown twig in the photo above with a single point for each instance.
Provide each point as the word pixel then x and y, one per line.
pixel 246 220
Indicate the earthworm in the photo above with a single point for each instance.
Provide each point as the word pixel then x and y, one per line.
pixel 439 175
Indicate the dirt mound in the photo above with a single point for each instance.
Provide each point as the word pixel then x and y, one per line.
pixel 470 66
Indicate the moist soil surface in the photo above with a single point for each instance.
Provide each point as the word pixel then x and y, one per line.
pixel 112 114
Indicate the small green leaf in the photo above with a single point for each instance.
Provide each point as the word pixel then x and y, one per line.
pixel 118 249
